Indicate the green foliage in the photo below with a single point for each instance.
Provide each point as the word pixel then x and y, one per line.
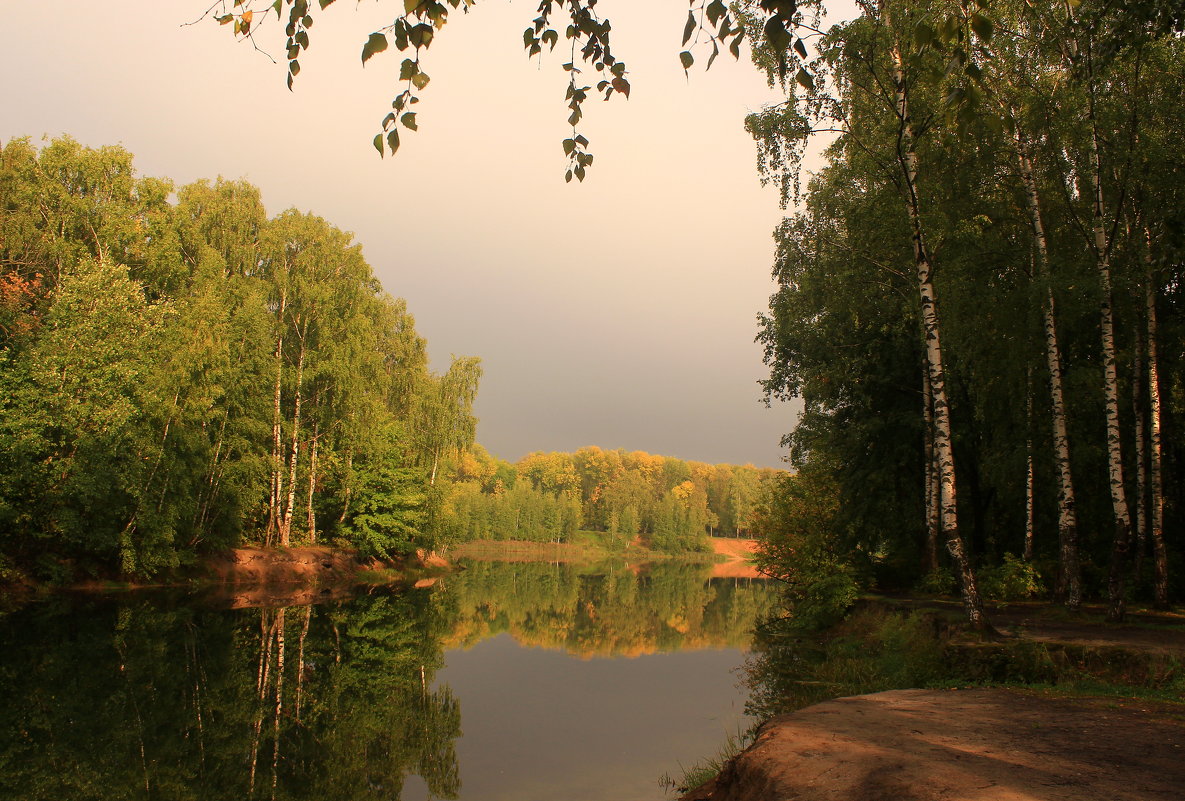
pixel 938 582
pixel 547 497
pixel 176 378
pixel 871 651
pixel 388 511
pixel 1012 580
pixel 173 698
pixel 842 331
pixel 801 544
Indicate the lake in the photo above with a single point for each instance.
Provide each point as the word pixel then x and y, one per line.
pixel 502 681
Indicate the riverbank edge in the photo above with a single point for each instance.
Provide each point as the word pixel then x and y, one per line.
pixel 253 572
pixel 1083 665
pixel 295 574
pixel 949 745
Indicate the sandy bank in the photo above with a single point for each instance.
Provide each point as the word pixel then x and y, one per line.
pixel 962 745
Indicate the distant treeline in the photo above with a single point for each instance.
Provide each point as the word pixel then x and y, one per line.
pixel 672 504
pixel 179 372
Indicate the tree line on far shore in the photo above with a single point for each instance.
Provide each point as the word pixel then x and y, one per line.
pixel 670 504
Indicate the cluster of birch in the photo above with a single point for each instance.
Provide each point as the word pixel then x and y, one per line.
pixel 979 293
pixel 181 371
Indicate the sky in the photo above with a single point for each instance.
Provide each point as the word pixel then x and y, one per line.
pixel 620 312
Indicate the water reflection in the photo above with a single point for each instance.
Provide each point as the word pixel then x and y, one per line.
pixel 136 697
pixel 139 700
pixel 606 611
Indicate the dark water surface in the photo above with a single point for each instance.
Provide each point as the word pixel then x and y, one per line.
pixel 505 681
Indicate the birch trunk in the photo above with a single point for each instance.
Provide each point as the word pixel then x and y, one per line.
pixel 1070 579
pixel 933 489
pixel 294 453
pixel 944 450
pixel 273 516
pixel 312 518
pixel 1121 543
pixel 279 698
pixel 1156 456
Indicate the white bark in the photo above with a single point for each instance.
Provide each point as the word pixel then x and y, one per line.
pixel 908 160
pixel 1070 583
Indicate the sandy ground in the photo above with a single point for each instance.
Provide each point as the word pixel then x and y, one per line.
pixel 737 553
pixel 962 745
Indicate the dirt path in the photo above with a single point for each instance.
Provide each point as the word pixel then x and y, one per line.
pixel 962 745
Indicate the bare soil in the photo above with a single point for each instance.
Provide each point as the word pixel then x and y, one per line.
pixel 305 565
pixel 738 554
pixel 962 745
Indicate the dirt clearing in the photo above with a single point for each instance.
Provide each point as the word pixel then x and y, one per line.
pixel 962 745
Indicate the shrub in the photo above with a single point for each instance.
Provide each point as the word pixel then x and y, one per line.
pixel 1012 580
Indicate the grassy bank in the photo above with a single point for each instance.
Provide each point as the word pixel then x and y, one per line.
pixel 886 646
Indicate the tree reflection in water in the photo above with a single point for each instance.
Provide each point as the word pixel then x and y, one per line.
pixel 149 696
pixel 138 699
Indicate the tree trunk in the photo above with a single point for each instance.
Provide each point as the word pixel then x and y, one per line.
pixel 908 160
pixel 1029 476
pixel 348 490
pixel 1156 460
pixel 294 453
pixel 1070 579
pixel 312 518
pixel 273 515
pixel 1140 508
pixel 279 698
pixel 933 489
pixel 1121 543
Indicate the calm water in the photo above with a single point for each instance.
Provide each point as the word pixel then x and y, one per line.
pixel 505 681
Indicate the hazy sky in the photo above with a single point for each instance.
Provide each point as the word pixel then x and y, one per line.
pixel 619 313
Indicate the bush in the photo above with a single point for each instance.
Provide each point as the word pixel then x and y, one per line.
pixel 1012 580
pixel 800 544
pixel 938 582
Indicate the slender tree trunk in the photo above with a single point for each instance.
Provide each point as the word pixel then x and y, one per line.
pixel 348 490
pixel 1029 476
pixel 206 495
pixel 933 488
pixel 294 453
pixel 943 446
pixel 1140 508
pixel 1156 461
pixel 1070 579
pixel 1121 543
pixel 279 698
pixel 312 518
pixel 304 633
pixel 273 515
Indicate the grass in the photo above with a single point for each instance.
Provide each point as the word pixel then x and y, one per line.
pixel 706 769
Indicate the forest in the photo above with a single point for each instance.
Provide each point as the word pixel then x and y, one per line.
pixel 1021 164
pixel 180 372
pixel 670 504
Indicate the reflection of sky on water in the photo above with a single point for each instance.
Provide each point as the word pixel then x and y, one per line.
pixel 540 724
